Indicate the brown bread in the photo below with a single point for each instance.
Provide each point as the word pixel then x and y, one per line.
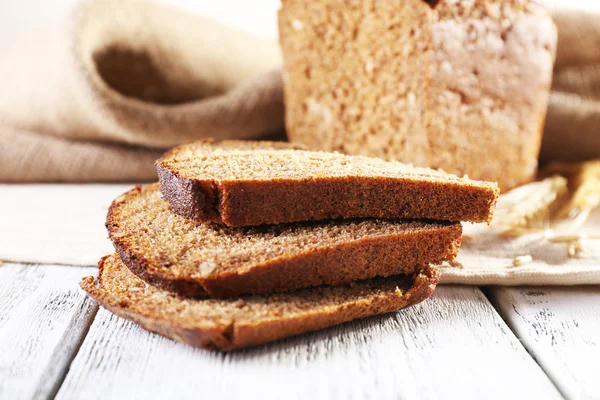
pixel 357 73
pixel 252 183
pixel 248 321
pixel 194 258
pixel 491 75
pixel 356 76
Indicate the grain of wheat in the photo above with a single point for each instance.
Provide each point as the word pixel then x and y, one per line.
pixel 522 260
pixel 575 249
pixel 453 264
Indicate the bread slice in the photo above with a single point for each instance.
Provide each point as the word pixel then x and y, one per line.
pixel 248 321
pixel 198 259
pixel 252 183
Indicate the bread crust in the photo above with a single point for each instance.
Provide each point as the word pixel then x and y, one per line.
pixel 201 199
pixel 245 202
pixel 399 292
pixel 197 200
pixel 367 257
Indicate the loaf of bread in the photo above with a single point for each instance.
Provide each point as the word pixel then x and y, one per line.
pixel 199 259
pixel 491 76
pixel 252 183
pixel 462 86
pixel 249 321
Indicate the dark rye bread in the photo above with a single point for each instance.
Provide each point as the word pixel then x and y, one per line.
pixel 249 321
pixel 199 259
pixel 242 183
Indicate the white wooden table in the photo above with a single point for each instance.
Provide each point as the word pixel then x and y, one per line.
pixel 464 342
pixel 533 343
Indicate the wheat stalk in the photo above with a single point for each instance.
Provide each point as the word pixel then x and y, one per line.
pixel 519 210
pixel 569 192
pixel 584 186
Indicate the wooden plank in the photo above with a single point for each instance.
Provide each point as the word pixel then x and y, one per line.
pixel 560 327
pixel 453 345
pixel 43 318
pixel 68 228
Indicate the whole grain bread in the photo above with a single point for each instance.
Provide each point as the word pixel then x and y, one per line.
pixel 491 76
pixel 356 73
pixel 252 183
pixel 356 76
pixel 248 321
pixel 200 259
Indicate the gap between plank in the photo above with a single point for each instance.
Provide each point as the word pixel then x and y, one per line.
pixel 94 314
pixel 63 375
pixel 486 290
pixel 456 336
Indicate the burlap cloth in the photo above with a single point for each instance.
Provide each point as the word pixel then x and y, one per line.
pixel 135 75
pixel 115 82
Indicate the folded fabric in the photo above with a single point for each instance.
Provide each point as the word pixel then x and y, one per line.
pixel 34 157
pixel 134 73
pixel 487 258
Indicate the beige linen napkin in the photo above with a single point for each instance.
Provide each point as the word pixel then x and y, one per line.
pixel 487 258
pixel 135 74
pixel 56 223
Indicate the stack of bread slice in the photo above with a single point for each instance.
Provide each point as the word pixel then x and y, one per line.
pixel 242 243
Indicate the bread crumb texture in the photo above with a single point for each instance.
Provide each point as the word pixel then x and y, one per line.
pixel 351 78
pixel 251 160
